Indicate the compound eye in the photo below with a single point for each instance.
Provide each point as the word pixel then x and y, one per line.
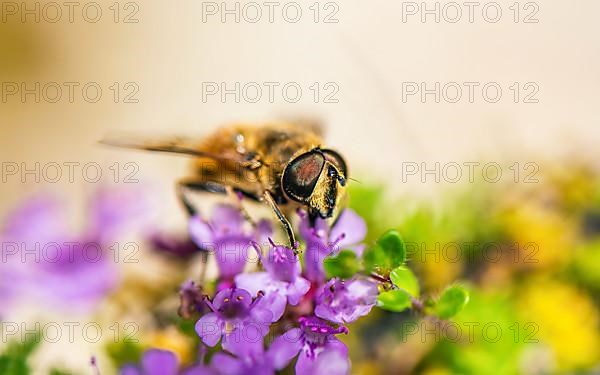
pixel 337 160
pixel 301 175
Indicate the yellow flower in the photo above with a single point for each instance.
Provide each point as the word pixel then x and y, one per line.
pixel 543 237
pixel 366 368
pixel 175 341
pixel 567 319
pixel 437 371
pixel 438 273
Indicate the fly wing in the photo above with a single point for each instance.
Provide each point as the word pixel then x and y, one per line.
pixel 174 145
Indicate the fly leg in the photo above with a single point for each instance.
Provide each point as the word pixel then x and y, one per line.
pixel 284 221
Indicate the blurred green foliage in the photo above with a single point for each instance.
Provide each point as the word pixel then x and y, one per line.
pixel 529 254
pixel 124 352
pixel 451 302
pixel 15 358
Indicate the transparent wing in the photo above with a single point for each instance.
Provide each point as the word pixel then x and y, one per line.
pixel 175 145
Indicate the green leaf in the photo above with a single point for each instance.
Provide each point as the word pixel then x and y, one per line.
pixel 13 365
pixel 394 300
pixel 344 265
pixel 388 253
pixel 391 242
pixel 14 359
pixel 123 352
pixel 451 302
pixel 405 279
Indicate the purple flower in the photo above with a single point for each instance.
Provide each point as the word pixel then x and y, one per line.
pixel 321 241
pixel 163 362
pixel 178 246
pixel 80 272
pixel 114 211
pixel 281 283
pixel 344 301
pixel 38 221
pixel 320 352
pixel 191 300
pixel 255 360
pixel 226 236
pixel 237 318
pixel 49 263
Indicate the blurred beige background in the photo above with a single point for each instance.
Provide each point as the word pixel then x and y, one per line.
pixel 368 54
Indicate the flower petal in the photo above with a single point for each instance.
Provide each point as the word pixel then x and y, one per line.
pixel 270 308
pixel 40 219
pixel 332 362
pixel 159 362
pixel 316 233
pixel 253 282
pixel 232 252
pixel 325 312
pixel 351 225
pixel 334 344
pixel 209 328
pixel 263 230
pixel 199 370
pixel 284 348
pixel 117 210
pixel 227 364
pixel 305 364
pixel 297 289
pixel 282 263
pixel 71 279
pixel 245 341
pixel 313 264
pixel 344 301
pixel 201 233
pixel 364 290
pixel 130 370
pixel 227 220
pixel 232 294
